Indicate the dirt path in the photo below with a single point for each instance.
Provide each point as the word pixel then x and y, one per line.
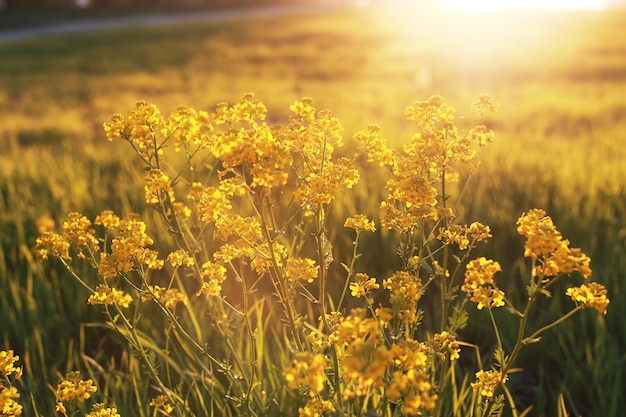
pixel 76 27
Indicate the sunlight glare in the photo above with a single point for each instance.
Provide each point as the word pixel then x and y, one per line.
pixel 486 5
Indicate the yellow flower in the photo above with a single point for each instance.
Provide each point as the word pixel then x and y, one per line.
pixel 487 382
pixel 360 222
pixel 8 406
pixel 180 257
pixel 107 295
pixel 108 219
pixel 363 285
pixel 448 342
pixel 213 203
pixel 52 244
pixel 213 274
pixel 73 388
pixel 545 243
pixel 301 269
pixel 406 290
pixel 7 361
pixel 168 297
pixel 307 369
pixel 316 407
pixel 161 403
pixel 157 187
pixel 99 410
pixel 591 295
pixel 76 229
pixel 480 272
pixel 480 285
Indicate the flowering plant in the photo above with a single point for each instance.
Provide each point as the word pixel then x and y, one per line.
pixel 258 318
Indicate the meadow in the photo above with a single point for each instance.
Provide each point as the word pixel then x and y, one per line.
pixel 558 77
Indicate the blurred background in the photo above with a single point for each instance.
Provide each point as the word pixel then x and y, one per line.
pixel 557 70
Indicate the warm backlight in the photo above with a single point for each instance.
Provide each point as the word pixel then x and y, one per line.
pixel 479 5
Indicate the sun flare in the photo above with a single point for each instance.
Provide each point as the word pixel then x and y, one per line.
pixel 480 5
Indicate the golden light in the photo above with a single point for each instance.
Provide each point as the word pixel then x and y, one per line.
pixel 486 5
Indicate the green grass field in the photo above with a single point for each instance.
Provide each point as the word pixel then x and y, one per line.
pixel 558 77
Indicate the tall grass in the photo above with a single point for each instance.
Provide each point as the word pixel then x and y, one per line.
pixel 557 76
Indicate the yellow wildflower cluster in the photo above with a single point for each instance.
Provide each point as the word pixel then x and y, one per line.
pixel 180 257
pixel 128 247
pixel 107 295
pixel 99 410
pixel 362 285
pixel 591 295
pixel 480 285
pixel 168 297
pixel 301 269
pixel 487 382
pixel 360 222
pixel 158 187
pixel 141 129
pixel 161 403
pixel 8 395
pixel 464 236
pixel 410 384
pixel 426 161
pixel 213 275
pixel 545 244
pixel 406 290
pixel 73 388
pixel 307 370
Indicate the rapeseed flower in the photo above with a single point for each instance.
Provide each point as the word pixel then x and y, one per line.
pixel 168 297
pixel 406 290
pixel 52 244
pixel 180 257
pixel 7 364
pixel 8 406
pixel 107 295
pixel 308 370
pixel 160 402
pixel 479 283
pixel 73 388
pixel 487 382
pixel 546 244
pixel 158 187
pixel 360 222
pixel 303 269
pixel 99 410
pixel 590 295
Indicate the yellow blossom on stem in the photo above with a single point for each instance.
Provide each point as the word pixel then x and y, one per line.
pixel 546 244
pixel 7 361
pixel 52 244
pixel 160 402
pixel 168 297
pixel 107 295
pixel 487 382
pixel 180 257
pixel 360 222
pixel 307 369
pixel 157 187
pixel 301 269
pixel 8 406
pixel 406 290
pixel 108 219
pixel 448 342
pixel 591 295
pixel 362 285
pixel 99 410
pixel 73 388
pixel 213 275
pixel 316 407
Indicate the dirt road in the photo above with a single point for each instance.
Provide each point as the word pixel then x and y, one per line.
pixel 77 27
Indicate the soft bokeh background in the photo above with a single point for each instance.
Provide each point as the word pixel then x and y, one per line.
pixel 559 78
